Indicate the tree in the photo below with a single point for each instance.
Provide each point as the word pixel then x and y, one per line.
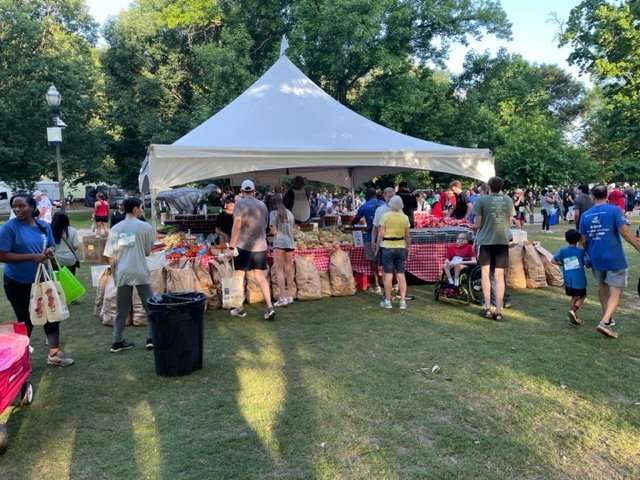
pixel 339 43
pixel 170 65
pixel 45 42
pixel 606 40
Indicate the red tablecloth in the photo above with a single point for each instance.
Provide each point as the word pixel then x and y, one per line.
pixel 425 261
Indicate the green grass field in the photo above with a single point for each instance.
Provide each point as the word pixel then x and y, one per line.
pixel 334 389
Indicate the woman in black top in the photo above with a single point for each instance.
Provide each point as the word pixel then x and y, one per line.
pixel 224 222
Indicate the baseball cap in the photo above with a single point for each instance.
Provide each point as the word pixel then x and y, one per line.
pixel 248 186
pixel 37 193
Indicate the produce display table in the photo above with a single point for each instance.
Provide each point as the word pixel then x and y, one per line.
pixel 425 261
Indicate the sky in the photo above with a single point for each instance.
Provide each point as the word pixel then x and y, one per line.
pixel 534 35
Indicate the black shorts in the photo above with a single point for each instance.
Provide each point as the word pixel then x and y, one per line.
pixel 495 255
pixel 247 260
pixel 575 292
pixel 102 219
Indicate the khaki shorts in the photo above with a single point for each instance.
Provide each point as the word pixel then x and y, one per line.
pixel 617 278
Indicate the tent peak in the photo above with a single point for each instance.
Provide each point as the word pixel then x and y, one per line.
pixel 284 45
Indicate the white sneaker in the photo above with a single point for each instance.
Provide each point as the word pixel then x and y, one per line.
pixel 386 304
pixel 403 304
pixel 289 300
pixel 282 302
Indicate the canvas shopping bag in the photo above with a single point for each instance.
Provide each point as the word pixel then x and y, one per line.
pixel 55 302
pixel 37 312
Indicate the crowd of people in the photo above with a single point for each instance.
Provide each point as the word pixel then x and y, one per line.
pixel 35 235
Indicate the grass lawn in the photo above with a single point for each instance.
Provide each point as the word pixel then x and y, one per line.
pixel 333 389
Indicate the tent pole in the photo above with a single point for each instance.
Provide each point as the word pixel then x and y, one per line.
pixel 154 220
pixel 353 188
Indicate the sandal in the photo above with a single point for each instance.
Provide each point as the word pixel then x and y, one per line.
pixel 498 317
pixel 486 313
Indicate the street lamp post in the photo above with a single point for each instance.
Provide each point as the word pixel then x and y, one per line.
pixel 54 135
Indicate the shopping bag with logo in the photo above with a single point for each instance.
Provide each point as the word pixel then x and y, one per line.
pixel 55 302
pixel 232 284
pixel 37 312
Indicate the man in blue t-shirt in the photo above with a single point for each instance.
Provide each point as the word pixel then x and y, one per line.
pixel 367 211
pixel 602 227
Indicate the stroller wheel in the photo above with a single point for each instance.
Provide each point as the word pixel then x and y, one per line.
pixel 4 438
pixel 26 394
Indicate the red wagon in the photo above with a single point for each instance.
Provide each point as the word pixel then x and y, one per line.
pixel 15 368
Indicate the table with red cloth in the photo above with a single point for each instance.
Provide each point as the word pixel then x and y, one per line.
pixel 425 261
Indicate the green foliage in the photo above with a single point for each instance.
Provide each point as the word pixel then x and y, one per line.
pixel 606 43
pixel 45 42
pixel 170 65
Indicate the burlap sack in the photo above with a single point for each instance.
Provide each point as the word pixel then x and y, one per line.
pixel 307 278
pixel 216 300
pixel 138 315
pixel 181 280
pixel 207 286
pixel 109 304
pixel 536 277
pixel 158 282
pixel 254 294
pixel 342 281
pixel 325 284
pixel 103 279
pixel 275 290
pixel 551 270
pixel 516 275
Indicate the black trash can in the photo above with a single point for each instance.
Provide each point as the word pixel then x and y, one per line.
pixel 177 332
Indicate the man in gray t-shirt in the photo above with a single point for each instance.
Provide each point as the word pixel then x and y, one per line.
pixel 583 202
pixel 248 243
pixel 493 214
pixel 128 245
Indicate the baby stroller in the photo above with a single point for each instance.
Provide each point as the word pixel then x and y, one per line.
pixel 15 369
pixel 469 287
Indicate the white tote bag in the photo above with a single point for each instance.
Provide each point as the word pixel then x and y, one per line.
pixel 37 310
pixel 55 302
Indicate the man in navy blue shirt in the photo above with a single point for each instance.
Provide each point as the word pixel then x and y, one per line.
pixel 602 227
pixel 367 211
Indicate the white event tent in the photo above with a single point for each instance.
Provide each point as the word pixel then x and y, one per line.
pixel 286 125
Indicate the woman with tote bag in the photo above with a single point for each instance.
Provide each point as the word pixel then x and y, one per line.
pixel 26 242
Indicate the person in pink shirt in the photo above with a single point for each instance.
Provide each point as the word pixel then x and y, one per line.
pixel 616 197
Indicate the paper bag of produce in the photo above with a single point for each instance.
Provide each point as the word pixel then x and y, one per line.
pixel 307 278
pixel 342 281
pixel 516 275
pixel 138 314
pixel 551 270
pixel 231 284
pixel 181 279
pixel 103 279
pixel 254 294
pixel 325 284
pixel 158 282
pixel 275 289
pixel 536 277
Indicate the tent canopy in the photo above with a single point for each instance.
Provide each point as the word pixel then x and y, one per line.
pixel 284 124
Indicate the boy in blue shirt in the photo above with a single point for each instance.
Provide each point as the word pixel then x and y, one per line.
pixel 572 261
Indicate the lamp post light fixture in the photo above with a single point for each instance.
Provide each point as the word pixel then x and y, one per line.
pixel 54 134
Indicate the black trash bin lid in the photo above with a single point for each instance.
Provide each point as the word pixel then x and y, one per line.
pixel 176 300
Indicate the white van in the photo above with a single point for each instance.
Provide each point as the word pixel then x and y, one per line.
pixel 5 195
